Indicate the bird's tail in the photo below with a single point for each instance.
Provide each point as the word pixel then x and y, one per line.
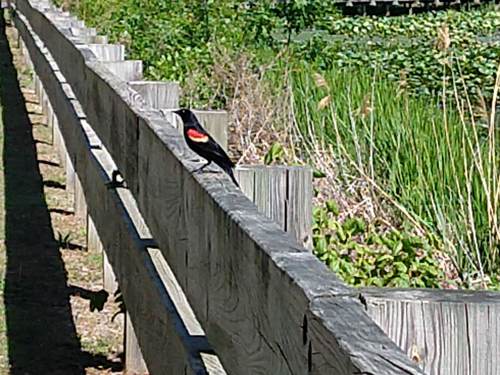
pixel 229 171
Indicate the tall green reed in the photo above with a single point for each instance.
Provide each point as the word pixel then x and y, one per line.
pixel 431 158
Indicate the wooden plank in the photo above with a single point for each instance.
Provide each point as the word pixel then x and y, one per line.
pixel 186 314
pixel 94 244
pixel 73 69
pixel 439 328
pixel 51 82
pixel 51 117
pixel 371 355
pixel 65 22
pixel 129 70
pixel 108 52
pixel 232 300
pixel 43 102
pixel 56 138
pixel 36 84
pixel 134 362
pixel 259 284
pixel 80 204
pixel 60 145
pixel 299 207
pixel 112 118
pixel 48 111
pixel 82 31
pixel 270 193
pixel 215 123
pixel 89 39
pixel 245 175
pixel 283 194
pixel 70 179
pixel 110 283
pixel 158 94
pixel 101 207
pixel 149 306
pixel 89 139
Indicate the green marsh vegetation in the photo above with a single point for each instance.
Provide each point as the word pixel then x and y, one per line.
pixel 397 115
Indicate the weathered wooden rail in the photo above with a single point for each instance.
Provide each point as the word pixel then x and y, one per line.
pixel 210 284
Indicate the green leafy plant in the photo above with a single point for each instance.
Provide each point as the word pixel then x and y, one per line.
pixel 364 255
pixel 404 105
pixel 274 154
pixel 437 167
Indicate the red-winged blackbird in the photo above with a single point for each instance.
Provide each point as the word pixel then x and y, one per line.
pixel 203 144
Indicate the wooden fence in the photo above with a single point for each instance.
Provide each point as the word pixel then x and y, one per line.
pixel 211 284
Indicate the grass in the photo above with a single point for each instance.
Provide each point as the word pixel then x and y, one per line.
pixel 431 160
pixel 372 120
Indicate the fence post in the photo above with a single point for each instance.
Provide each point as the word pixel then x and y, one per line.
pixel 110 284
pixel 134 361
pixel 216 124
pixel 163 96
pixel 93 241
pixel 108 52
pixel 283 194
pixel 80 203
pixel 127 70
pixel 158 94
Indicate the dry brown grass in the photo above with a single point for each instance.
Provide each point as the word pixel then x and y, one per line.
pixel 259 117
pixel 262 115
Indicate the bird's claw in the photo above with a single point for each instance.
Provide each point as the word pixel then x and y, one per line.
pixel 201 168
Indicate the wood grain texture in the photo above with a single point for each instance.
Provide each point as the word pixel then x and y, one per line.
pixel 80 204
pixel 251 286
pixel 163 96
pixel 158 94
pixel 60 145
pixel 283 194
pixel 113 120
pixel 215 123
pixel 448 332
pixel 94 243
pixel 234 301
pixel 134 362
pixel 70 178
pixel 128 70
pixel 146 298
pixel 355 333
pixel 109 282
pixel 57 140
pixel 108 52
pixel 299 207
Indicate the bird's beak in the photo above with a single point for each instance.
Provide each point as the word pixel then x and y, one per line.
pixel 177 112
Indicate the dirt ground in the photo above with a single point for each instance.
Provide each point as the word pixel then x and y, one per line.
pixel 48 279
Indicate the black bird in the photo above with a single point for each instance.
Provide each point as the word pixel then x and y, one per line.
pixel 203 144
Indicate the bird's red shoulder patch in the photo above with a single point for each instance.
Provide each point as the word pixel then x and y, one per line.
pixel 197 136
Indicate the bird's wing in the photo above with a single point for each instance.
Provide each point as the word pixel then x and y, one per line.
pixel 204 143
pixel 197 136
pixel 221 154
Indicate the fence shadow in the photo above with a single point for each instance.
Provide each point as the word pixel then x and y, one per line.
pixel 42 337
